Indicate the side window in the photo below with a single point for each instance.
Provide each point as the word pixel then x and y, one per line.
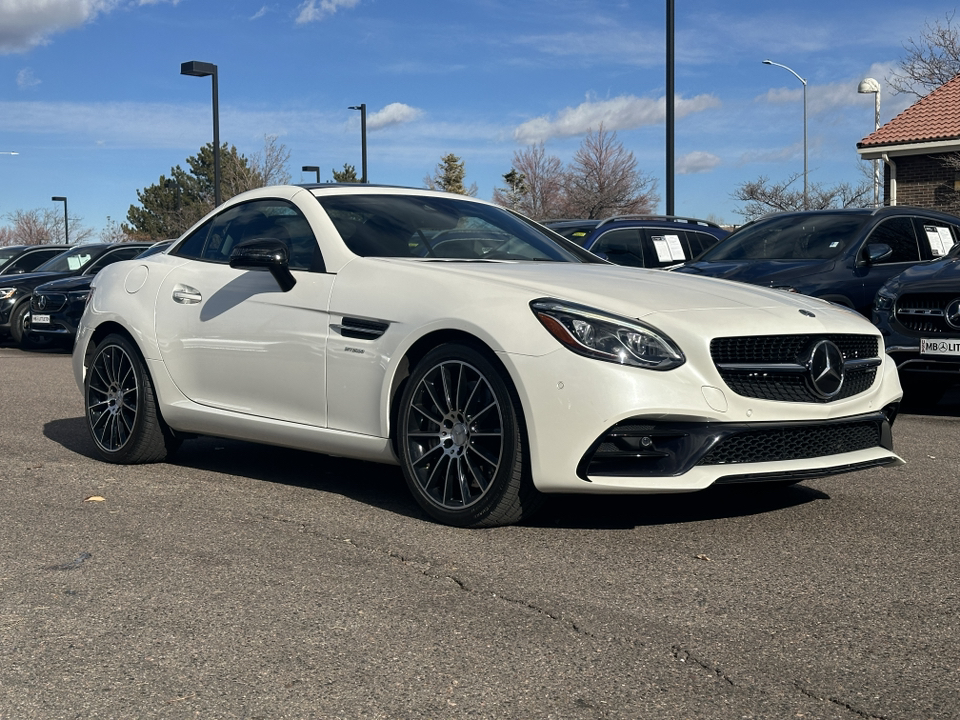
pixel 700 241
pixel 112 257
pixel 192 246
pixel 665 247
pixel 29 261
pixel 938 236
pixel 275 219
pixel 621 247
pixel 899 234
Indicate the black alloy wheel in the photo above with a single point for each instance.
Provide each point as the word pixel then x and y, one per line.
pixel 121 409
pixel 461 443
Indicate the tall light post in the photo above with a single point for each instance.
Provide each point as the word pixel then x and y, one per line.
pixel 869 85
pixel 313 169
pixel 66 229
pixel 670 115
pixel 770 62
pixel 362 107
pixel 203 69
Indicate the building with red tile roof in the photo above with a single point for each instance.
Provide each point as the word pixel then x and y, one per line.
pixel 920 149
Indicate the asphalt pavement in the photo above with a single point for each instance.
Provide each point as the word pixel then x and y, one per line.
pixel 243 581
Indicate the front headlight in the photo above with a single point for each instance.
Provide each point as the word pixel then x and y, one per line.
pixel 79 295
pixel 7 293
pixel 884 300
pixel 596 334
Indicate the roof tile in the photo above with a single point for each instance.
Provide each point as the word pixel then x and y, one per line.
pixel 932 118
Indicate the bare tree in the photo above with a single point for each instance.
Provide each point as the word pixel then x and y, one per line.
pixel 44 225
pixel 762 197
pixel 113 232
pixel 541 194
pixel 603 180
pixel 931 60
pixel 270 165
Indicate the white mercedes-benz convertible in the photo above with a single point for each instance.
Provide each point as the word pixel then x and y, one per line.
pixel 492 360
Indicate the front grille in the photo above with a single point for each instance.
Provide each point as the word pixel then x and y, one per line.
pixel 793 443
pixel 770 367
pixel 923 313
pixel 52 302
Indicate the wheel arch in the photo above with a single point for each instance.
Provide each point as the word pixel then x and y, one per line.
pixel 415 353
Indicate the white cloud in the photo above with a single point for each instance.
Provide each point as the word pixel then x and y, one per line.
pixel 313 10
pixel 260 13
pixel 26 79
pixel 621 113
pixel 25 24
pixel 393 114
pixel 696 162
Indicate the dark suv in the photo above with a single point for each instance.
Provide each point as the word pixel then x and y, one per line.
pixel 87 259
pixel 918 314
pixel 56 306
pixel 19 259
pixel 652 241
pixel 843 256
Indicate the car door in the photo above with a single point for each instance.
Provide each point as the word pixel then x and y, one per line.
pixel 230 338
pixel 900 234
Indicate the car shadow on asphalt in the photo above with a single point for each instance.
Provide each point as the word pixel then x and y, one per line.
pixel 383 486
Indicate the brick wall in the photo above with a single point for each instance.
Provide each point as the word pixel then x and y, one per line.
pixel 924 181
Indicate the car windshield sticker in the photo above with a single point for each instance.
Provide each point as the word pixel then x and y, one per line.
pixel 668 248
pixel 940 240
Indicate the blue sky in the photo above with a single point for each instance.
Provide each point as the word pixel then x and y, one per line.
pixel 92 100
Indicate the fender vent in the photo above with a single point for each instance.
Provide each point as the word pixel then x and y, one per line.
pixel 361 328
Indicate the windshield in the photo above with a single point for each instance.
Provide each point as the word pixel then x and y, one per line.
pixel 71 260
pixel 790 237
pixel 418 226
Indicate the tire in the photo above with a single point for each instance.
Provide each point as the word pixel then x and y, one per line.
pixel 19 325
pixel 120 407
pixel 461 441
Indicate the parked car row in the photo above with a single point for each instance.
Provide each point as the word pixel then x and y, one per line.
pixel 42 302
pixel 898 265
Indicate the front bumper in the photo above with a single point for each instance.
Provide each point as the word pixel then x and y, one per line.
pixel 587 420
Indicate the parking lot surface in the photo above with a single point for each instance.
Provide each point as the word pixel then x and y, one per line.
pixel 243 581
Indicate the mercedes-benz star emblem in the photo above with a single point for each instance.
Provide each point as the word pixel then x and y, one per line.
pixel 825 367
pixel 42 302
pixel 952 313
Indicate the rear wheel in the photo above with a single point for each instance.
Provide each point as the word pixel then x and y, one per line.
pixel 461 443
pixel 121 409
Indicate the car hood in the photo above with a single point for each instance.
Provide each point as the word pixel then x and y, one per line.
pixel 631 292
pixel 29 279
pixel 760 272
pixel 939 275
pixel 67 284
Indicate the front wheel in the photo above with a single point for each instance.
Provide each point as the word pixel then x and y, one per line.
pixel 122 416
pixel 461 443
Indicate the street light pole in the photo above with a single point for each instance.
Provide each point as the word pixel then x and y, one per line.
pixel 313 169
pixel 670 115
pixel 66 229
pixel 770 62
pixel 869 85
pixel 362 107
pixel 203 69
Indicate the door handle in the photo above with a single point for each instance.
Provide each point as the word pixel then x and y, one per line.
pixel 186 295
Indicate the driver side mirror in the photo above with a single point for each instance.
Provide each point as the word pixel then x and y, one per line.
pixel 875 252
pixel 264 254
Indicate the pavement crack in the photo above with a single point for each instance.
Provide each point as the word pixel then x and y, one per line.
pixel 684 655
pixel 427 569
pixel 809 692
